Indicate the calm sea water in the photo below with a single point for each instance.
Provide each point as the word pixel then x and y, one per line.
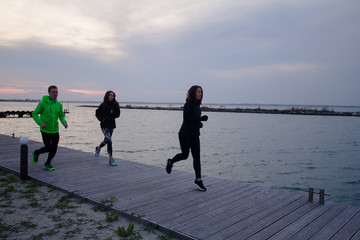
pixel 291 152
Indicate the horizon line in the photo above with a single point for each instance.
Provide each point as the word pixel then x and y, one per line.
pixel 144 102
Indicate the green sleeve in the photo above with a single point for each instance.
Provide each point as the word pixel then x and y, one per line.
pixel 35 114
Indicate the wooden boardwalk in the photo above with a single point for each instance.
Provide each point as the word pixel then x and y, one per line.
pixel 228 210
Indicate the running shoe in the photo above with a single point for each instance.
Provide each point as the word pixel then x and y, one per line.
pixel 112 162
pixel 35 157
pixel 49 167
pixel 169 166
pixel 97 152
pixel 199 184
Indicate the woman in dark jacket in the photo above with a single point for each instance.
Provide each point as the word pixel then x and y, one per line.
pixel 189 134
pixel 106 114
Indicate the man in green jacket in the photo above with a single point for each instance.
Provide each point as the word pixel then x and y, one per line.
pixel 50 111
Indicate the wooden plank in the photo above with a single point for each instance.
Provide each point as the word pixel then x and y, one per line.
pixel 174 202
pixel 351 230
pixel 252 207
pixel 157 196
pixel 336 224
pixel 318 223
pixel 302 222
pixel 276 215
pixel 221 213
pixel 258 213
pixel 282 223
pixel 204 204
pixel 356 236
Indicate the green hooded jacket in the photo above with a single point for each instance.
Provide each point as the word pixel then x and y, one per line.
pixel 50 111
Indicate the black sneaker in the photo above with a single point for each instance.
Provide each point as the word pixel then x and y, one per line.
pixel 35 157
pixel 49 167
pixel 168 166
pixel 199 184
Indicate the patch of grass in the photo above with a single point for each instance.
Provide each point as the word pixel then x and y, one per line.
pixel 7 204
pixel 170 236
pixel 7 190
pixel 8 178
pixel 49 209
pixel 50 189
pixel 45 235
pixel 100 208
pixel 93 236
pixel 151 228
pixel 7 228
pixel 112 216
pixel 64 223
pixel 34 203
pixel 9 211
pixel 72 233
pixel 105 204
pixel 28 224
pixel 82 221
pixel 129 232
pixel 102 227
pixel 44 197
pixel 65 203
pixel 32 189
pixel 81 214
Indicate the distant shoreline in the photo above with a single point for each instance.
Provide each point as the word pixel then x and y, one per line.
pixel 222 105
pixel 20 100
pixel 292 111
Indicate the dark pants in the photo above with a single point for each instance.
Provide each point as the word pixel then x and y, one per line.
pixel 107 140
pixel 187 143
pixel 51 141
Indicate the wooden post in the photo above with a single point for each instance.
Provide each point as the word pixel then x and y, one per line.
pixel 322 197
pixel 311 195
pixel 24 159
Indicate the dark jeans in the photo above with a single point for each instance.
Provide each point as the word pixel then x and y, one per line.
pixel 187 143
pixel 51 141
pixel 107 139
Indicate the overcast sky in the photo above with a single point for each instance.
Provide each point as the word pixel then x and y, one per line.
pixel 239 51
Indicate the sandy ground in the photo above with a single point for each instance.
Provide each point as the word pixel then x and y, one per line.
pixel 31 211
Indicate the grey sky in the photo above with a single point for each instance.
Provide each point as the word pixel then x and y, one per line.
pixel 241 51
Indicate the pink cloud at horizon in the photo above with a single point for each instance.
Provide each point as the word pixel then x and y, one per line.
pixel 87 92
pixel 15 90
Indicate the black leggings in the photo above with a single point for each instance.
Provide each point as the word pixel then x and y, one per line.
pixel 107 140
pixel 51 141
pixel 187 143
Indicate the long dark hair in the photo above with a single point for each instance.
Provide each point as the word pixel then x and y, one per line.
pixel 191 95
pixel 106 99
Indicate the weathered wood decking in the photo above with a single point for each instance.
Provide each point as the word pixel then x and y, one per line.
pixel 228 210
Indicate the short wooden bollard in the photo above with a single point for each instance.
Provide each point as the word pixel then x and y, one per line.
pixel 311 195
pixel 24 159
pixel 322 197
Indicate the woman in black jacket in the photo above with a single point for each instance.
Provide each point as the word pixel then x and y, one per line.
pixel 189 134
pixel 106 114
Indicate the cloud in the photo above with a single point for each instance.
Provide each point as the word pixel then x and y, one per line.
pixel 64 26
pixel 87 92
pixel 264 70
pixel 9 91
pixel 107 29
